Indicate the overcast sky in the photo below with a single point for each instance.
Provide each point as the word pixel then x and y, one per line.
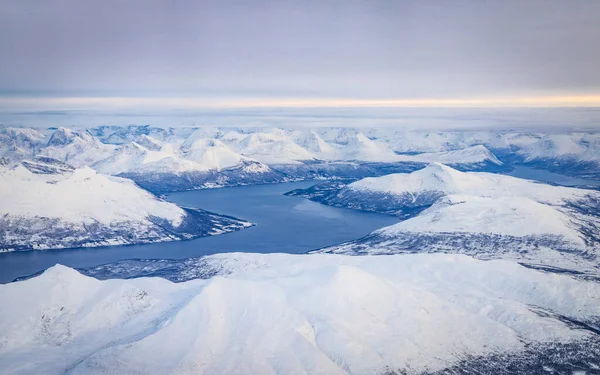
pixel 388 49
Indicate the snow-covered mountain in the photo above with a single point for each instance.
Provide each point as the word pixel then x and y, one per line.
pixel 311 141
pixel 358 147
pixel 135 158
pixel 272 148
pixel 42 209
pixel 118 135
pixel 160 165
pixel 78 148
pixel 484 214
pixel 295 154
pixel 212 153
pixel 474 156
pixel 570 154
pixel 18 143
pixel 305 314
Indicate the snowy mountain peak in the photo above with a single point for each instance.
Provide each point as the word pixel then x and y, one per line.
pixel 479 150
pixel 312 142
pixel 357 146
pixel 273 148
pixel 439 173
pixel 149 142
pixel 63 136
pixel 211 153
pixel 63 274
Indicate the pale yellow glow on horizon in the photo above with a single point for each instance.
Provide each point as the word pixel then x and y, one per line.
pixel 123 103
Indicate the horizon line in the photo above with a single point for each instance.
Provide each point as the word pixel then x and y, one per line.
pixel 176 103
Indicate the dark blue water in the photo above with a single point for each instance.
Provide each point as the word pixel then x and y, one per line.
pixel 284 224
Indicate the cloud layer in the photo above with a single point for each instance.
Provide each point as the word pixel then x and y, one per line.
pixel 336 49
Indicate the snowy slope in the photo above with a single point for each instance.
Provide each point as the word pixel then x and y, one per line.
pixel 17 143
pixel 84 208
pixel 311 141
pixel 445 180
pixel 512 216
pixel 134 158
pixel 483 214
pixel 569 154
pixel 405 141
pixel 304 314
pixel 272 148
pixel 78 148
pixel 119 135
pixel 471 155
pixel 205 149
pixel 553 146
pixel 182 160
pixel 358 147
pixel 211 153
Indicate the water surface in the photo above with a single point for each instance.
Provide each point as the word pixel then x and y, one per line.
pixel 529 173
pixel 283 224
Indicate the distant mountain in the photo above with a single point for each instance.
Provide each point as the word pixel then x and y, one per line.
pixel 133 133
pixel 570 154
pixel 359 147
pixel 198 157
pixel 78 148
pixel 48 205
pixel 482 214
pixel 212 153
pixel 272 148
pixel 18 143
pixel 471 156
pixel 163 166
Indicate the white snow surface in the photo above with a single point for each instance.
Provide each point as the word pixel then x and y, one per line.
pixel 17 142
pixel 553 146
pixel 78 148
pixel 289 314
pixel 134 158
pixel 209 148
pixel 357 146
pixel 437 177
pixel 469 155
pixel 211 153
pixel 272 148
pixel 479 202
pixel 513 216
pixel 80 196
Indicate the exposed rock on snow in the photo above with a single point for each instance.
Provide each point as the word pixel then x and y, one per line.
pixel 78 148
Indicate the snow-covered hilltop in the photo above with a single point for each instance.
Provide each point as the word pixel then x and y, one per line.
pixel 47 205
pixel 312 314
pixel 483 214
